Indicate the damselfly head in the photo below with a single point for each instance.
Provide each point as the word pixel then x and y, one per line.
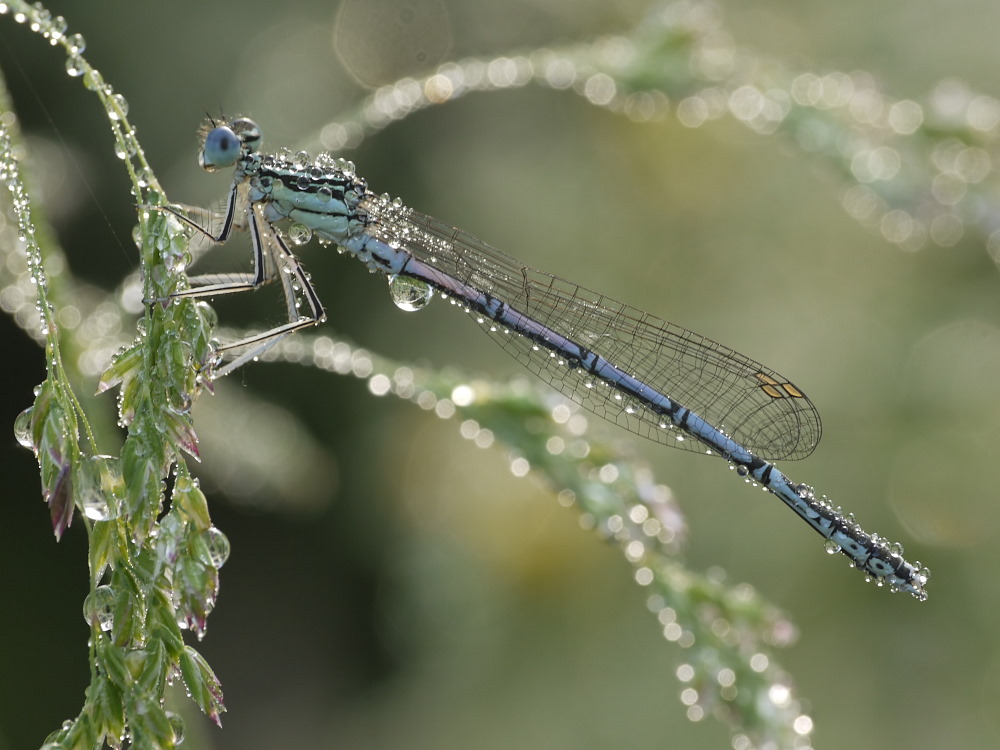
pixel 221 149
pixel 224 143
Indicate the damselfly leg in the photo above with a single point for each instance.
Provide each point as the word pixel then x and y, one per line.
pixel 272 259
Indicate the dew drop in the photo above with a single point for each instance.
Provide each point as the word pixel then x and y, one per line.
pixel 97 487
pixel 218 546
pixel 93 80
pixel 74 66
pixel 57 29
pixel 299 233
pixel 409 294
pixel 176 726
pixel 40 19
pixel 630 405
pixel 117 107
pixel 23 431
pixel 831 547
pixel 99 607
pixel 742 470
pixel 76 44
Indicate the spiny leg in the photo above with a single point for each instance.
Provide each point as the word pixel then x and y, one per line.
pixel 210 285
pixel 272 258
pixel 236 197
pixel 279 261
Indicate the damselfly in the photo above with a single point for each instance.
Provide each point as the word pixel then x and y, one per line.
pixel 650 376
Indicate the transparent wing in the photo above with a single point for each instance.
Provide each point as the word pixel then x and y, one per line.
pixel 753 404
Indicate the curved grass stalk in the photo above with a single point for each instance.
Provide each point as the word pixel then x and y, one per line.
pixel 149 575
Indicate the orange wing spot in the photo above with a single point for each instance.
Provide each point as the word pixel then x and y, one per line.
pixel 793 391
pixel 771 391
pixel 774 389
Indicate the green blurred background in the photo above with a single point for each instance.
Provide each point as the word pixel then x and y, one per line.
pixel 404 591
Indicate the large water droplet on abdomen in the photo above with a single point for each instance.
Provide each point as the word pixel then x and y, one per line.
pixel 409 294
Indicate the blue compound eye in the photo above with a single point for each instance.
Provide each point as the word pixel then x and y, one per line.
pixel 221 149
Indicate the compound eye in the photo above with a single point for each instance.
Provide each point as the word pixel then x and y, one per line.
pixel 221 149
pixel 248 132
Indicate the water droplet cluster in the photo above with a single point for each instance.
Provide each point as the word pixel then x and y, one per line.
pixel 193 550
pixel 99 326
pixel 881 561
pixel 54 29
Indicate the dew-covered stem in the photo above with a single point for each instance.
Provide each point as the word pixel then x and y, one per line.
pixel 152 575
